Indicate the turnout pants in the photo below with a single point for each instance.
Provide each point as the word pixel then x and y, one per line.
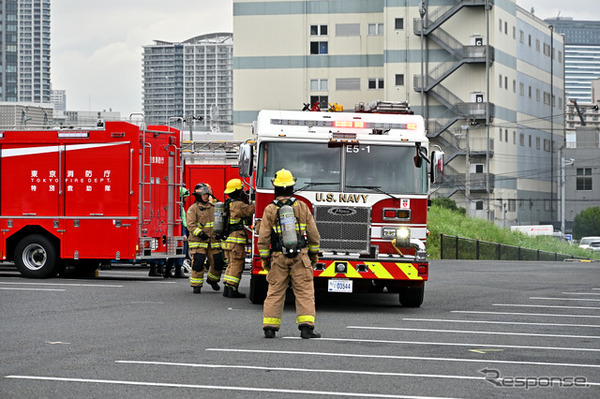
pixel 214 271
pixel 300 271
pixel 236 255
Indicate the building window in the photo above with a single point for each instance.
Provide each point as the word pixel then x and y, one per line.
pixel 529 40
pixel 375 29
pixel 537 143
pixel 319 47
pixel 347 84
pixel 522 139
pixel 547 145
pixel 500 80
pixel 506 82
pixel 537 45
pixel 514 32
pixel 522 89
pixel 376 83
pixel 529 91
pixel 319 85
pixel 512 205
pixel 347 29
pixel 514 86
pixel 546 98
pixel 506 135
pixel 530 140
pixel 318 30
pixel 584 179
pixel 399 79
pixel 505 28
pixel 521 36
pixel 399 24
pixel 479 205
pixel 537 95
pixel 500 24
pixel 514 137
pixel 322 100
pixel 478 167
pixel 500 134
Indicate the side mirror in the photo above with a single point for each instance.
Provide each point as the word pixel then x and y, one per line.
pixel 437 167
pixel 245 160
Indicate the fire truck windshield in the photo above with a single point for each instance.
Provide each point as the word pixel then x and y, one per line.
pixel 389 168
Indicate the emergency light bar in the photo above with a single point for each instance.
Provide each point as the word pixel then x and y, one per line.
pixel 344 124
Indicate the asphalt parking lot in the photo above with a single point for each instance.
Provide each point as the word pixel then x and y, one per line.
pixel 486 329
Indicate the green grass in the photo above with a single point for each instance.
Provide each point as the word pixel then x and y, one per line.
pixel 448 222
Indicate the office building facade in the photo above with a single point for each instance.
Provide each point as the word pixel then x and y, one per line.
pixel 486 75
pixel 191 80
pixel 25 51
pixel 582 55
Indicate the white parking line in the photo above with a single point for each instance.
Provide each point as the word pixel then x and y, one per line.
pixel 525 314
pixel 564 299
pixel 65 284
pixel 30 289
pixel 215 387
pixel 581 293
pixel 473 332
pixel 470 345
pixel 311 370
pixel 501 322
pixel 435 359
pixel 545 306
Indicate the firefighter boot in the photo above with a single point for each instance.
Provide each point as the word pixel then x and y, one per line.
pixel 197 289
pixel 178 272
pixel 226 289
pixel 153 271
pixel 214 284
pixel 307 331
pixel 234 293
pixel 269 332
pixel 167 272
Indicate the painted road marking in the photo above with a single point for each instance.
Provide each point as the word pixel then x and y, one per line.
pixel 31 289
pixel 564 299
pixel 525 314
pixel 475 332
pixel 581 293
pixel 502 322
pixel 384 341
pixel 64 284
pixel 485 350
pixel 311 370
pixel 215 387
pixel 396 357
pixel 545 306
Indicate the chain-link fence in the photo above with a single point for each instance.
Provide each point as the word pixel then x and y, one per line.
pixel 454 247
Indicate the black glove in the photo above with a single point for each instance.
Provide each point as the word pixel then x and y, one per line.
pixel 202 235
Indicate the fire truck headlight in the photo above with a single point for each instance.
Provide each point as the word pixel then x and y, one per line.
pixel 400 234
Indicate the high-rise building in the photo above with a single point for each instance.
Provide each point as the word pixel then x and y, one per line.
pixel 486 75
pixel 582 55
pixel 191 80
pixel 25 51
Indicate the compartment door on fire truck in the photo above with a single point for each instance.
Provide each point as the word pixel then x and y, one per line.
pixel 98 187
pixel 30 180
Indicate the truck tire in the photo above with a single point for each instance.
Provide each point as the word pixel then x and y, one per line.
pixel 258 289
pixel 412 297
pixel 36 257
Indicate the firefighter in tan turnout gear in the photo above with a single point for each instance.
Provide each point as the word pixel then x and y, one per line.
pixel 202 242
pixel 288 244
pixel 238 213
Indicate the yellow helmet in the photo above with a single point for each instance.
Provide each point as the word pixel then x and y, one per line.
pixel 233 185
pixel 283 178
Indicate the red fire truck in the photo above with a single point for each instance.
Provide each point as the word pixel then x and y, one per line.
pixel 79 197
pixel 365 177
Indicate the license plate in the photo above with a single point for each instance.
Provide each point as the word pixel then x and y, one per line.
pixel 340 286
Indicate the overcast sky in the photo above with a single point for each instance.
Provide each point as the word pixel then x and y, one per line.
pixel 97 45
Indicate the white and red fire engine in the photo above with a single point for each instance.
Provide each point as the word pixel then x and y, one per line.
pixel 365 177
pixel 85 196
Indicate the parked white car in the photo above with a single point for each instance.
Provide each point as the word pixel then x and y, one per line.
pixel 586 241
pixel 595 246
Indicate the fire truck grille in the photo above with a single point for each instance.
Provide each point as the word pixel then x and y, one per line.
pixel 343 229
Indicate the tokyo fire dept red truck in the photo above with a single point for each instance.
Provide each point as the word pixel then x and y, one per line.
pixel 80 197
pixel 365 176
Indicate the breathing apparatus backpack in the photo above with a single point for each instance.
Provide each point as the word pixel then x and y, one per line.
pixel 290 240
pixel 221 221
